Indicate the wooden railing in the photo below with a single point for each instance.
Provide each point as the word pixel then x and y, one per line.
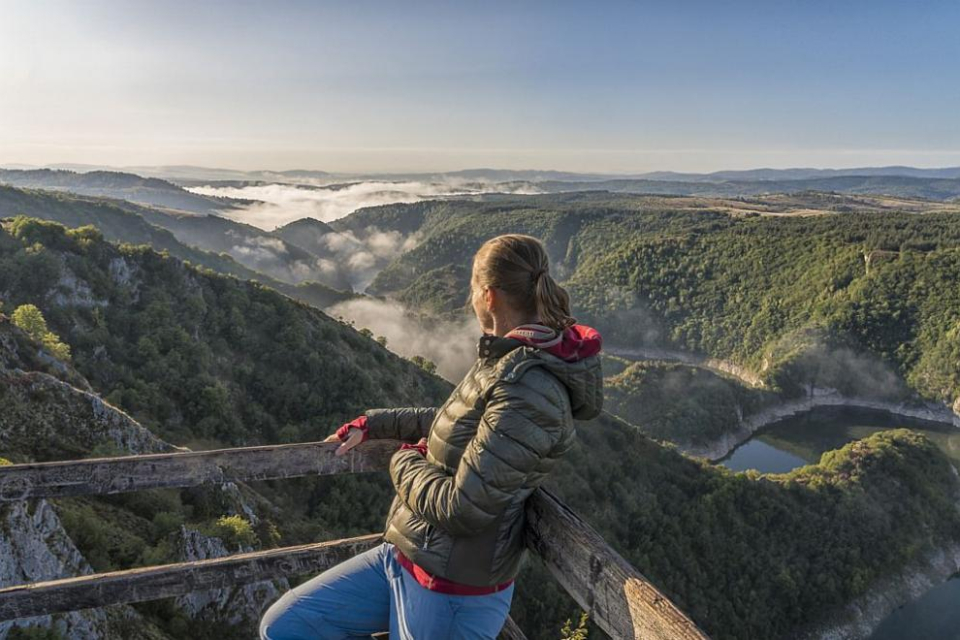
pixel 619 599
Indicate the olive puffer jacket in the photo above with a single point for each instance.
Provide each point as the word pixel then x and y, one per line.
pixel 459 511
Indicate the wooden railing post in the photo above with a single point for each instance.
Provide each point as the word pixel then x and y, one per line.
pixel 619 599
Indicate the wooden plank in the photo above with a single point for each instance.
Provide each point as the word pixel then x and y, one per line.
pixel 165 581
pixel 619 599
pixel 98 476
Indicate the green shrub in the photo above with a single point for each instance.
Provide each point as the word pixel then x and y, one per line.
pixel 235 531
pixel 30 319
pixel 165 523
pixel 568 632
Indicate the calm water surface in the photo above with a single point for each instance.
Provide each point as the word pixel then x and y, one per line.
pixel 933 616
pixel 800 440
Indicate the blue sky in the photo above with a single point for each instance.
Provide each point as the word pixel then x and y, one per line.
pixel 394 86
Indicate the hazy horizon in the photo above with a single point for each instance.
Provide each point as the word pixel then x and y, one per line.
pixel 85 167
pixel 382 88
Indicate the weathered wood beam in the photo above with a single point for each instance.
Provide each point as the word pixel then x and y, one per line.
pixel 165 581
pixel 98 476
pixel 619 599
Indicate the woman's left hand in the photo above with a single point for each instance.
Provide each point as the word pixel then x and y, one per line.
pixel 355 438
pixel 350 434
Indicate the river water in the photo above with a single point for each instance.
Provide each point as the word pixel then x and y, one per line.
pixel 800 440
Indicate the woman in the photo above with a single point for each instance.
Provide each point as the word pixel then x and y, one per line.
pixel 454 533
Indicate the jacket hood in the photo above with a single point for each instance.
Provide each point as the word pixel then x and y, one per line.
pixel 574 343
pixel 571 356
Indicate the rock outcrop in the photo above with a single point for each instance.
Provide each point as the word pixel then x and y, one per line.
pixel 34 547
pixel 46 419
pixel 239 606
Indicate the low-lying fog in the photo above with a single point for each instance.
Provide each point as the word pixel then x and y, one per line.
pixel 451 345
pixel 279 204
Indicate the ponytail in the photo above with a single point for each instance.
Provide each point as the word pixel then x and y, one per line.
pixel 518 265
pixel 553 303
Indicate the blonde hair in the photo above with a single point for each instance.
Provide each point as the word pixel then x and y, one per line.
pixel 518 265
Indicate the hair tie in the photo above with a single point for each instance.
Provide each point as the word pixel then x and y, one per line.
pixel 538 273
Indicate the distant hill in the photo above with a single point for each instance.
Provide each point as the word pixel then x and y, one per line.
pixel 171 172
pixel 346 253
pixel 123 222
pixel 304 228
pixel 193 174
pixel 934 184
pixel 943 189
pixel 126 186
pixel 750 175
pixel 269 253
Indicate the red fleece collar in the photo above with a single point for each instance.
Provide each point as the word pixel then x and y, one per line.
pixel 575 343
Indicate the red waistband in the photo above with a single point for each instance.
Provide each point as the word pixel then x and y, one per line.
pixel 442 585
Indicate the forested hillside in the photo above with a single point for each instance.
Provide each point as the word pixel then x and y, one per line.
pixel 752 556
pixel 196 355
pixel 841 293
pixel 687 405
pixel 202 360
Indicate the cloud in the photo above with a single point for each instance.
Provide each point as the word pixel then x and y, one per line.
pixel 449 344
pixel 279 204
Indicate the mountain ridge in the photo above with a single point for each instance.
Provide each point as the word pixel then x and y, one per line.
pixel 191 172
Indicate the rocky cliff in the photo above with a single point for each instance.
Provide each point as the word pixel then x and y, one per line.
pixel 50 414
pixel 240 606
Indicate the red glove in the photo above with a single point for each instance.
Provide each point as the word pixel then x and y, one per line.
pixel 420 447
pixel 358 423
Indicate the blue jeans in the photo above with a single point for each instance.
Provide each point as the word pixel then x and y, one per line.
pixel 371 593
